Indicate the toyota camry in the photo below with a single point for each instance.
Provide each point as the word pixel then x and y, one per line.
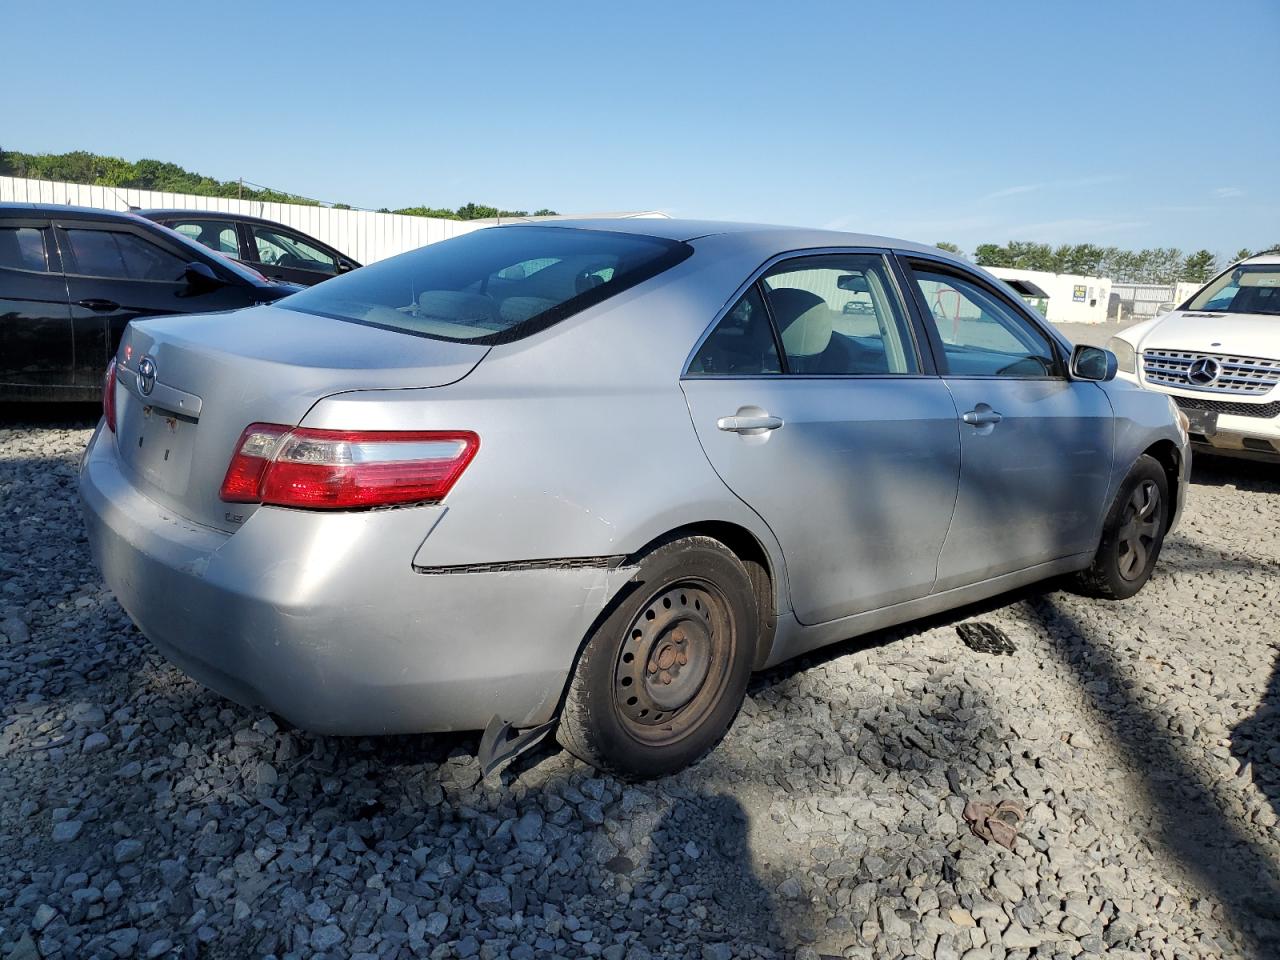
pixel 586 477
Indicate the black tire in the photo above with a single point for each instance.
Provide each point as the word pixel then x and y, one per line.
pixel 661 679
pixel 1132 534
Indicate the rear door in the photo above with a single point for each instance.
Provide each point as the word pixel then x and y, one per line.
pixel 37 343
pixel 1036 446
pixel 282 254
pixel 833 427
pixel 117 272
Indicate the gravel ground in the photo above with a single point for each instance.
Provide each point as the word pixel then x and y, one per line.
pixel 141 815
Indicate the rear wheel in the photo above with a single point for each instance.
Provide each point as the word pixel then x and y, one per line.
pixel 1132 535
pixel 661 679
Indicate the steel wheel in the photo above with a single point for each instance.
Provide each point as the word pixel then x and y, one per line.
pixel 1138 530
pixel 673 662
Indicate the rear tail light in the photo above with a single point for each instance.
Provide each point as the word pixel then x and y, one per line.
pixel 109 396
pixel 343 469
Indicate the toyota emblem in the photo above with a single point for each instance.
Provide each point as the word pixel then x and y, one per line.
pixel 146 376
pixel 1204 371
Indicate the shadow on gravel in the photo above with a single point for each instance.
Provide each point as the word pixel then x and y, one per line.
pixel 1250 475
pixel 70 415
pixel 1256 741
pixel 1194 828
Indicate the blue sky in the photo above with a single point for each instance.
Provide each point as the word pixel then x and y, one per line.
pixel 1135 124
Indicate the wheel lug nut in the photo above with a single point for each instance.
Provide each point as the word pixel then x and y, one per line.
pixel 653 668
pixel 683 658
pixel 666 677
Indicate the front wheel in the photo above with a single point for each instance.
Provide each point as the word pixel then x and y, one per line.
pixel 1132 535
pixel 663 676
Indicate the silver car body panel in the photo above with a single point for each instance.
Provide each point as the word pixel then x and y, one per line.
pixel 440 616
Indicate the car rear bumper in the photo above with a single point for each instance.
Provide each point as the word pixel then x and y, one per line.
pixel 322 618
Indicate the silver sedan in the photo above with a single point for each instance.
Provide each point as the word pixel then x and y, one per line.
pixel 587 477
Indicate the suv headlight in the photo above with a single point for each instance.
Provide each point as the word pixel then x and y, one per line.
pixel 1126 357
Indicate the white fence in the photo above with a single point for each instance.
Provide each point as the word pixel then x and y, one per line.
pixel 361 234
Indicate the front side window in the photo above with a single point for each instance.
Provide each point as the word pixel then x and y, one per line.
pixel 840 315
pixel 1251 288
pixel 981 334
pixel 278 248
pixel 217 235
pixel 23 248
pixel 466 289
pixel 122 256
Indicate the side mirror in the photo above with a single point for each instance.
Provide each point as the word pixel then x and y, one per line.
pixel 345 266
pixel 1093 363
pixel 200 277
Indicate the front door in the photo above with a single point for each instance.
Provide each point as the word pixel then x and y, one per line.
pixel 285 255
pixel 1036 447
pixel 827 422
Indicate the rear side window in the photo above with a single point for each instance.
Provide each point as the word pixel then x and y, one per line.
pixel 122 256
pixel 217 235
pixel 22 248
pixel 494 285
pixel 741 345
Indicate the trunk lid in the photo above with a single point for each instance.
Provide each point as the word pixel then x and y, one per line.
pixel 212 375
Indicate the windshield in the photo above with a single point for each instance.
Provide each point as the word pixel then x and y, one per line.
pixel 494 285
pixel 1250 288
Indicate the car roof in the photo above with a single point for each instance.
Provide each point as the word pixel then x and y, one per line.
pixel 61 209
pixel 166 212
pixel 1263 259
pixel 685 230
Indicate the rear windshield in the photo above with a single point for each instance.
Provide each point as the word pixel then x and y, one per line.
pixel 1252 288
pixel 494 285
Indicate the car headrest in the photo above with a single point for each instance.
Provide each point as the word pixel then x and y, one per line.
pixel 804 320
pixel 457 306
pixel 519 309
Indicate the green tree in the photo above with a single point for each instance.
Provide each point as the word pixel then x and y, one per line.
pixel 949 247
pixel 1244 253
pixel 991 255
pixel 545 212
pixel 476 211
pixel 1198 267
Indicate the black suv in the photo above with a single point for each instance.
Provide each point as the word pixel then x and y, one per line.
pixel 274 250
pixel 72 278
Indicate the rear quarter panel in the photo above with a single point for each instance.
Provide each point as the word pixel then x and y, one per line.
pixel 586 444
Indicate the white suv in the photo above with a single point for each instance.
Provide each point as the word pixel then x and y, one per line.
pixel 1218 356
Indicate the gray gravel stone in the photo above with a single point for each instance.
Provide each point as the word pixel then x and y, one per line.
pixel 148 817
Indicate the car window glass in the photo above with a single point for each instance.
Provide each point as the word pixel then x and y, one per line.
pixel 281 249
pixel 122 256
pixel 22 248
pixel 452 290
pixel 741 344
pixel 981 334
pixel 840 315
pixel 217 235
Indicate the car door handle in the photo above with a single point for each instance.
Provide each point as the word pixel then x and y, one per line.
pixel 98 305
pixel 740 424
pixel 981 416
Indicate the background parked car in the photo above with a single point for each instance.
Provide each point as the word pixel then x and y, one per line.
pixel 274 250
pixel 1218 356
pixel 72 278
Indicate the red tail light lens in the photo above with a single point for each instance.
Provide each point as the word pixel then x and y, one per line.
pixel 109 396
pixel 345 470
